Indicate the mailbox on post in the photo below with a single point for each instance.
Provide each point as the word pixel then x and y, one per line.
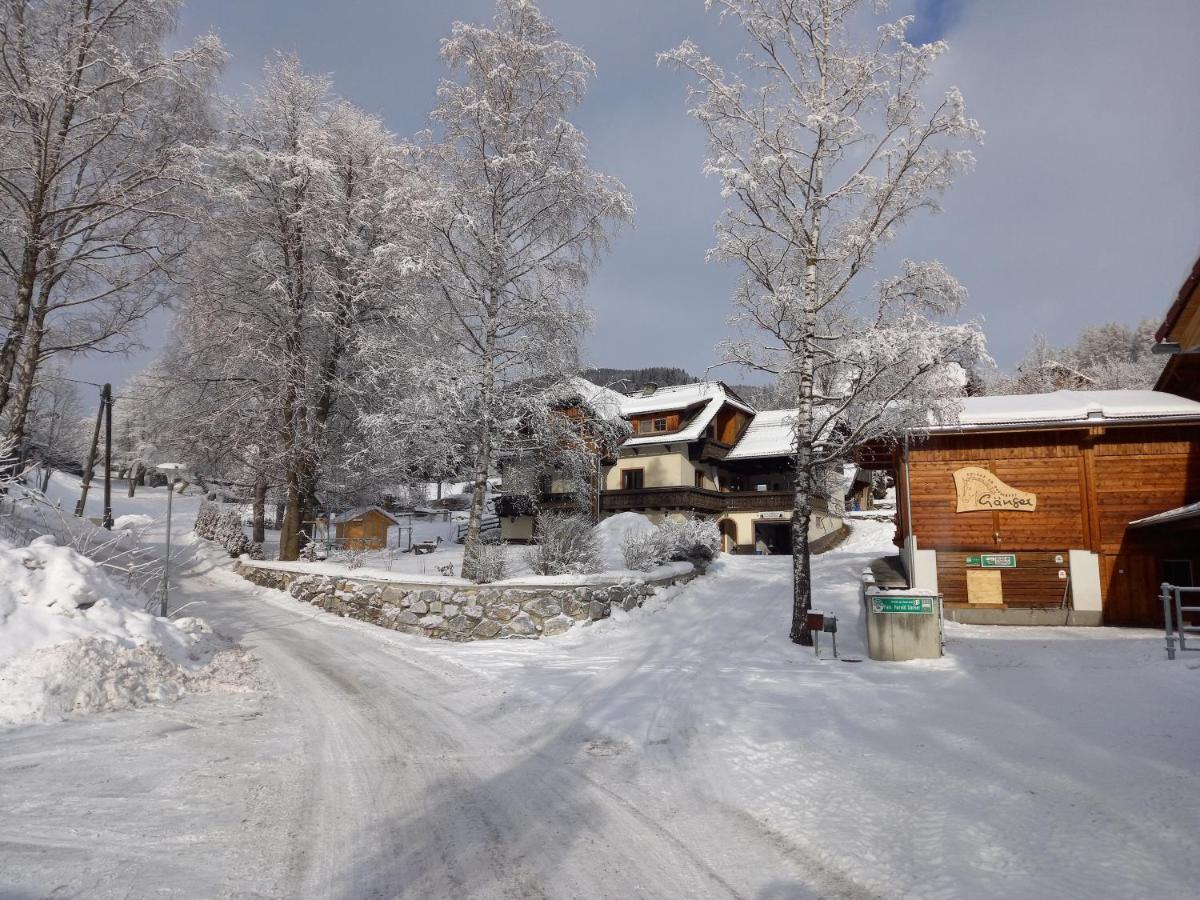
pixel 822 623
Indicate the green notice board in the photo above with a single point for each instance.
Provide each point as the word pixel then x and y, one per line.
pixel 896 604
pixel 993 560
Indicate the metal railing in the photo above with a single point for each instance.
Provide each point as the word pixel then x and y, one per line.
pixel 1177 627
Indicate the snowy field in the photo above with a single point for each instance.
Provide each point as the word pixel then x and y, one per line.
pixel 684 749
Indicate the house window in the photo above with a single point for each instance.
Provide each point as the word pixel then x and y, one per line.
pixel 632 479
pixel 699 479
pixel 660 424
pixel 645 426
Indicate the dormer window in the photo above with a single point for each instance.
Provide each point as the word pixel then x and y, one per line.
pixel 660 424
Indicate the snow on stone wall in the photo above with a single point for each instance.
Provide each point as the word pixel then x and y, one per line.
pixel 461 612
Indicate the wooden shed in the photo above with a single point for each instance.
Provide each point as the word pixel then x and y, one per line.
pixel 1034 508
pixel 365 528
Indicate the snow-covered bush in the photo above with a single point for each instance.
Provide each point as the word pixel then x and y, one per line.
pixel 206 521
pixel 237 544
pixel 491 562
pixel 692 540
pixel 255 551
pixel 353 557
pixel 646 550
pixel 566 545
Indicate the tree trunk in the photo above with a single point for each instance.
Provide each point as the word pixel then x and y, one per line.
pixel 31 351
pixel 260 509
pixel 23 307
pixel 289 532
pixel 483 457
pixel 801 561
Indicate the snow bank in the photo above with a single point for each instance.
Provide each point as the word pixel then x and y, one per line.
pixel 613 531
pixel 132 521
pixel 72 640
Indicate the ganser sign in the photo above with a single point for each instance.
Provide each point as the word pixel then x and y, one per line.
pixel 979 489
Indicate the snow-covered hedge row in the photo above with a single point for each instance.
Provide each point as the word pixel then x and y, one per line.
pixel 225 528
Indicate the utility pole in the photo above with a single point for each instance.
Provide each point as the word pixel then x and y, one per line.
pixel 173 470
pixel 106 395
pixel 91 460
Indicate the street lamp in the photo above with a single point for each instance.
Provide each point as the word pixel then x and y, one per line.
pixel 162 594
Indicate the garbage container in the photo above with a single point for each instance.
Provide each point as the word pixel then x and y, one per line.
pixel 902 624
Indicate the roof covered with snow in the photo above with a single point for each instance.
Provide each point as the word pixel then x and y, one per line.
pixel 1071 407
pixel 358 512
pixel 770 433
pixel 713 394
pixel 605 402
pixel 1191 511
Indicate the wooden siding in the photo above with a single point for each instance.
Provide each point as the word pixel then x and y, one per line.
pixel 1034 583
pixel 728 425
pixel 367 532
pixel 1090 484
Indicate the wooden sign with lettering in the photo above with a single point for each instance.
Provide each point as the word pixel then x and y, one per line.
pixel 979 489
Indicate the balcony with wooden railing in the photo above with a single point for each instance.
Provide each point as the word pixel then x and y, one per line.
pixel 695 499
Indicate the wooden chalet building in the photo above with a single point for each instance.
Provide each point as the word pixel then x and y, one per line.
pixel 1179 337
pixel 1060 508
pixel 701 450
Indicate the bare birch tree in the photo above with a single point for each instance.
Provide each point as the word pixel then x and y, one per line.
pixel 824 147
pixel 516 220
pixel 93 118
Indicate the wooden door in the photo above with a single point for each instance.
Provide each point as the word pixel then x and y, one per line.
pixel 1131 594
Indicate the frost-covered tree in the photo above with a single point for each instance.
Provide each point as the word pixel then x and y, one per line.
pixel 285 278
pixel 824 147
pixel 94 118
pixel 514 220
pixel 1110 356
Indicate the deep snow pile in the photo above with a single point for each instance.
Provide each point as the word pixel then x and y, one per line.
pixel 132 522
pixel 72 640
pixel 612 533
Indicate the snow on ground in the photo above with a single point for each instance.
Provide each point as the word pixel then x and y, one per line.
pixel 72 640
pixel 684 749
pixel 1029 762
pixel 394 565
pixel 75 639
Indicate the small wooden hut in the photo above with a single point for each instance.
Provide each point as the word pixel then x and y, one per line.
pixel 365 528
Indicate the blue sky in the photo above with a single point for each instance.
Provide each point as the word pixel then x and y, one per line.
pixel 1085 206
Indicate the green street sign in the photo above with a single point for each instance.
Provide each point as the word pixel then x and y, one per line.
pixel 909 605
pixel 993 560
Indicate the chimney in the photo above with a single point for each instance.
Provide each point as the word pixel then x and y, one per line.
pixel 649 388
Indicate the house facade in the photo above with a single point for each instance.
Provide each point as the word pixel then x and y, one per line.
pixel 701 450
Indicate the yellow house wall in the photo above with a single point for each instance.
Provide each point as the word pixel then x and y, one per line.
pixel 659 470
pixel 820 525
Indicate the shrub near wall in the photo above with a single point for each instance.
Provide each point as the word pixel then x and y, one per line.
pixel 462 612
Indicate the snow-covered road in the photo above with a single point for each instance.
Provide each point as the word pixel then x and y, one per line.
pixel 367 772
pixel 688 751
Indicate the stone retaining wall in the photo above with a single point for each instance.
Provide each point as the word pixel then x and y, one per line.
pixel 461 612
